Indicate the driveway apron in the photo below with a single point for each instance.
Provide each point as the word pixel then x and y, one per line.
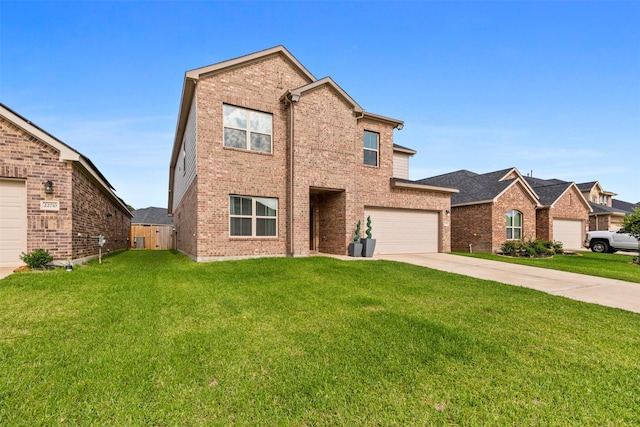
pixel 581 287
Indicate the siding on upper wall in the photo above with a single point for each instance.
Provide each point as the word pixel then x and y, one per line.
pixel 185 170
pixel 400 165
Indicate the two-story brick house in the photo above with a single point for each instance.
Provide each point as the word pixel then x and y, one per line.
pixel 53 197
pixel 268 160
pixel 607 213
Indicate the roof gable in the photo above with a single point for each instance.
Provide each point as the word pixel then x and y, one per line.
pixel 480 188
pixel 67 154
pixel 249 59
pixel 295 94
pixel 549 191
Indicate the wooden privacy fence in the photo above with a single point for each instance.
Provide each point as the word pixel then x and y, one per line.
pixel 151 236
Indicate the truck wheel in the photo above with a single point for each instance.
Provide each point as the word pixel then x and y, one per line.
pixel 600 247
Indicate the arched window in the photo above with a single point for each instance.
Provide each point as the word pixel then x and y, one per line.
pixel 514 225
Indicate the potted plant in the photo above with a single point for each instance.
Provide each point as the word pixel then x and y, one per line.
pixel 355 248
pixel 368 244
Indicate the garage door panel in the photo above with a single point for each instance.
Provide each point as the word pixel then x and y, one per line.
pixel 569 232
pixel 13 222
pixel 404 230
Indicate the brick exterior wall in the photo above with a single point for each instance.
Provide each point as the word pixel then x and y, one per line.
pixel 514 198
pixel 484 225
pixel 185 219
pixel 328 170
pixel 94 214
pixel 544 224
pixel 568 206
pixel 23 156
pixel 471 225
pixel 605 222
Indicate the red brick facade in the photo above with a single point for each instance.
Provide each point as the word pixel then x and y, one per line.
pixel 570 205
pixel 484 227
pixel 83 203
pixel 322 179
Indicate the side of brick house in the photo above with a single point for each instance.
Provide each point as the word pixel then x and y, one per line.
pixel 312 175
pixel 81 203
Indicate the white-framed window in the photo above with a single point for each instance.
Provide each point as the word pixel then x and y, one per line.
pixel 514 225
pixel 247 129
pixel 253 216
pixel 371 145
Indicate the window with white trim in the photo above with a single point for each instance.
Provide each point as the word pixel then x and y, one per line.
pixel 247 129
pixel 371 148
pixel 253 216
pixel 514 225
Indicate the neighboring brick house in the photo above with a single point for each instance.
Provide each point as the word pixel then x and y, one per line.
pixel 53 197
pixel 563 214
pixel 607 213
pixel 151 228
pixel 268 160
pixel 489 209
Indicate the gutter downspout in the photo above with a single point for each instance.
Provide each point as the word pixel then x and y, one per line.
pixel 290 101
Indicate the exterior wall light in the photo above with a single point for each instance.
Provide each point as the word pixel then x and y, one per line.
pixel 448 212
pixel 48 187
pixel 109 214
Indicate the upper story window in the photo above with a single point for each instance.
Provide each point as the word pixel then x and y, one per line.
pixel 371 148
pixel 514 225
pixel 247 129
pixel 604 200
pixel 253 216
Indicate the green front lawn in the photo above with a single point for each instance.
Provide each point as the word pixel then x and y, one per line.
pixel 612 266
pixel 151 338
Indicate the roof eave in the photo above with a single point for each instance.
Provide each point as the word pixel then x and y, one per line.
pixel 242 60
pixel 395 183
pixel 398 124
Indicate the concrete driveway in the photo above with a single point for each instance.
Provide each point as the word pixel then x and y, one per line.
pixel 5 271
pixel 597 290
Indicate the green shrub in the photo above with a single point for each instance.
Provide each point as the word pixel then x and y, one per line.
pixel 510 247
pixel 37 259
pixel 557 247
pixel 530 249
pixel 540 247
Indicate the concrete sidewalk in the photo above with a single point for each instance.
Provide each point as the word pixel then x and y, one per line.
pixel 597 290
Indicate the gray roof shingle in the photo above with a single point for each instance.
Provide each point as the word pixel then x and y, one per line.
pixel 473 187
pixel 151 215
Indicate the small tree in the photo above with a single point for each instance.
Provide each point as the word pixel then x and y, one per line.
pixel 356 234
pixel 631 225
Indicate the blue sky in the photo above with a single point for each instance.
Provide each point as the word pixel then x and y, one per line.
pixel 551 87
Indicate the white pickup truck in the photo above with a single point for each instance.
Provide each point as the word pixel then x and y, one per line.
pixel 610 241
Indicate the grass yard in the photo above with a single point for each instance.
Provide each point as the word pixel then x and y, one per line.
pixel 612 266
pixel 151 338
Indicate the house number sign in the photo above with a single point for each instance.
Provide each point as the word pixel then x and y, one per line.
pixel 50 205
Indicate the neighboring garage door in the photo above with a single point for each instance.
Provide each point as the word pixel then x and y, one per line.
pixel 570 232
pixel 403 230
pixel 13 222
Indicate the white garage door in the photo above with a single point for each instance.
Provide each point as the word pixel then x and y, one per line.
pixel 403 230
pixel 13 222
pixel 570 232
